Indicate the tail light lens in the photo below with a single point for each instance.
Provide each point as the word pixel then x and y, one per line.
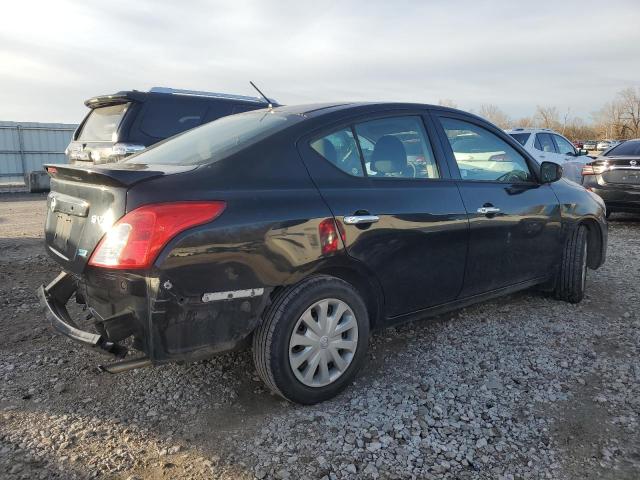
pixel 135 240
pixel 587 170
pixel 593 169
pixel 329 237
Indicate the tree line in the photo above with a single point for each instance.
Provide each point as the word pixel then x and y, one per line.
pixel 618 119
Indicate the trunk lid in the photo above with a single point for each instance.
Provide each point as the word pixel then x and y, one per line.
pixel 622 171
pixel 85 202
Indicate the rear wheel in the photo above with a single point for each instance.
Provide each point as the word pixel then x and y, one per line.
pixel 572 276
pixel 313 340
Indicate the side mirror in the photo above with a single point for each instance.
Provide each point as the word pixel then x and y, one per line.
pixel 582 151
pixel 550 172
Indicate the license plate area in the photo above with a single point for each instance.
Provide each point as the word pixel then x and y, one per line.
pixel 64 224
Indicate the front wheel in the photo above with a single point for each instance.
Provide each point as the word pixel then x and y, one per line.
pixel 313 340
pixel 572 276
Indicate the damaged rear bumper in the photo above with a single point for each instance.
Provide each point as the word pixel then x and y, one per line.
pixel 165 322
pixel 54 298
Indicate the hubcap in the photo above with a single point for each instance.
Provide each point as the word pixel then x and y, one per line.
pixel 323 342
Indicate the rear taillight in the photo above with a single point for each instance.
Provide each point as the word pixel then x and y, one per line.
pixel 593 169
pixel 135 240
pixel 329 237
pixel 587 170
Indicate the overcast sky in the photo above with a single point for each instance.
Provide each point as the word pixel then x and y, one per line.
pixel 577 55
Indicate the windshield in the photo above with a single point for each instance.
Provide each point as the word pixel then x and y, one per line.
pixel 521 138
pixel 216 140
pixel 102 123
pixel 630 148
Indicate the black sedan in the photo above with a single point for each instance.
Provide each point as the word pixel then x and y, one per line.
pixel 300 229
pixel 615 176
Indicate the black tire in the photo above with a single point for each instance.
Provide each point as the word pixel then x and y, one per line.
pixel 571 279
pixel 271 338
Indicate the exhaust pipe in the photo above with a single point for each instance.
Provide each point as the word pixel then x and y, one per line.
pixel 119 367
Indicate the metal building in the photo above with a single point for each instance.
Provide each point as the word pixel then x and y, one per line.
pixel 26 146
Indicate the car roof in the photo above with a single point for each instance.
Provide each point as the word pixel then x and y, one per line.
pixel 318 109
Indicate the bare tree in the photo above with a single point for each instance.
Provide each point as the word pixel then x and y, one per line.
pixel 495 115
pixel 629 105
pixel 547 117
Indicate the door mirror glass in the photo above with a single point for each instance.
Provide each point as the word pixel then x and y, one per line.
pixel 550 172
pixel 582 151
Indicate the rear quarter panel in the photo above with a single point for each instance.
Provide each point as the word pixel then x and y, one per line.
pixel 578 205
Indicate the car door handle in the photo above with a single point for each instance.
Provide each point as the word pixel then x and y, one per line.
pixel 488 210
pixel 360 219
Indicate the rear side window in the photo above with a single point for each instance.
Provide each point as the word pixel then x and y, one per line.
pixel 544 143
pixel 102 123
pixel 482 155
pixel 630 147
pixel 165 118
pixel 396 147
pixel 521 138
pixel 340 148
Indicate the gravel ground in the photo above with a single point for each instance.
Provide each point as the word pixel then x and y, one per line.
pixel 521 387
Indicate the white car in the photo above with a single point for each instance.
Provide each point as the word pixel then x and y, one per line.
pixel 546 145
pixel 606 144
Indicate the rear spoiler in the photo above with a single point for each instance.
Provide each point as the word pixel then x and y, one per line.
pixel 114 175
pixel 116 98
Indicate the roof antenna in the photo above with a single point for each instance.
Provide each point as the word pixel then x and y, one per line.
pixel 262 95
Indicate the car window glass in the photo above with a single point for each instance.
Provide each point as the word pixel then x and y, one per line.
pixel 544 143
pixel 102 123
pixel 340 148
pixel 521 137
pixel 164 118
pixel 482 155
pixel 563 145
pixel 630 147
pixel 396 147
pixel 216 140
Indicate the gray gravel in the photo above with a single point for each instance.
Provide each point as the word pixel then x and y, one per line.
pixel 521 387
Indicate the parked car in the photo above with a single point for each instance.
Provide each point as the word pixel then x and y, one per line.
pixel 546 145
pixel 579 144
pixel 268 227
pixel 615 176
pixel 127 122
pixel 590 145
pixel 606 144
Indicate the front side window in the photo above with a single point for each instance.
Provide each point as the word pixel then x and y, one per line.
pixel 482 155
pixel 396 147
pixel 340 148
pixel 564 146
pixel 544 143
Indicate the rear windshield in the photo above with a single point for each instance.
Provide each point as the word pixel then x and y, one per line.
pixel 632 147
pixel 102 123
pixel 521 138
pixel 216 140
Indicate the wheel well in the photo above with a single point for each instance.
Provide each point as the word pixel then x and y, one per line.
pixel 594 243
pixel 371 293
